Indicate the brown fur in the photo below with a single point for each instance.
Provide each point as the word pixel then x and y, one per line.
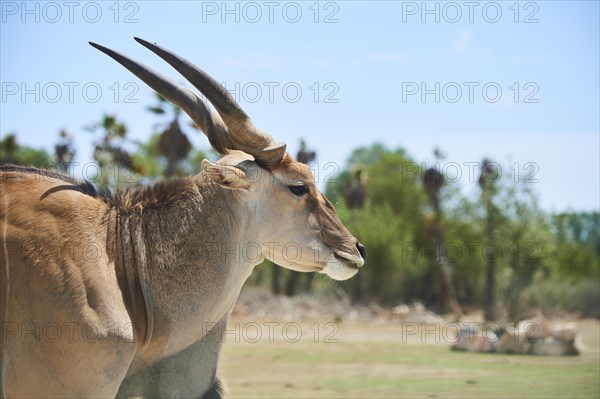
pixel 169 260
pixel 168 263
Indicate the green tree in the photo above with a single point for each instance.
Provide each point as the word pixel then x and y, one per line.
pixel 150 159
pixel 117 168
pixel 464 231
pixel 13 152
pixel 522 243
pixel 577 236
pixel 390 222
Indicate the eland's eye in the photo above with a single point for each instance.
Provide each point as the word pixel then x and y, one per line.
pixel 298 190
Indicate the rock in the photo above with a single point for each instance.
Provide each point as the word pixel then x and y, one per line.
pixel 512 342
pixel 564 332
pixel 532 330
pixel 474 340
pixel 551 346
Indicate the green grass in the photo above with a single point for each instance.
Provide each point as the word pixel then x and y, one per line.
pixel 363 365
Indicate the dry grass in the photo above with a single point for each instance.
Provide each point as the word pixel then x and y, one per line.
pixel 370 359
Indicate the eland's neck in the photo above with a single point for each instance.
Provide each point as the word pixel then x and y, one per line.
pixel 185 248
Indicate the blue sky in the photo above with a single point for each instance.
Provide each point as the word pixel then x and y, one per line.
pixel 514 81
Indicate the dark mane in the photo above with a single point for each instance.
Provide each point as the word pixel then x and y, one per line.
pixel 140 198
pixel 82 186
pixel 133 199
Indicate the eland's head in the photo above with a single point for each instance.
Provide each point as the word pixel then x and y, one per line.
pixel 296 226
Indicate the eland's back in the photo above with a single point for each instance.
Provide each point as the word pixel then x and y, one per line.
pixel 59 287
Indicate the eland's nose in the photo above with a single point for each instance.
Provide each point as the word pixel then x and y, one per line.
pixel 361 249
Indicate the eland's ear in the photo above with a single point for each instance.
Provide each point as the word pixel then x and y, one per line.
pixel 226 175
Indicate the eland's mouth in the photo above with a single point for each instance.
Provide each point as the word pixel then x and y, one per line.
pixel 351 261
pixel 344 266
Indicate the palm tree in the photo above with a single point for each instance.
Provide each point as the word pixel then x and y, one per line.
pixel 433 181
pixel 174 144
pixel 355 192
pixel 487 179
pixel 64 150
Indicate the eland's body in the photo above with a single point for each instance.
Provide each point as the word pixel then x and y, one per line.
pixel 128 294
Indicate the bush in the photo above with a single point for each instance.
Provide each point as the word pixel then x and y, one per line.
pixel 586 298
pixel 553 296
